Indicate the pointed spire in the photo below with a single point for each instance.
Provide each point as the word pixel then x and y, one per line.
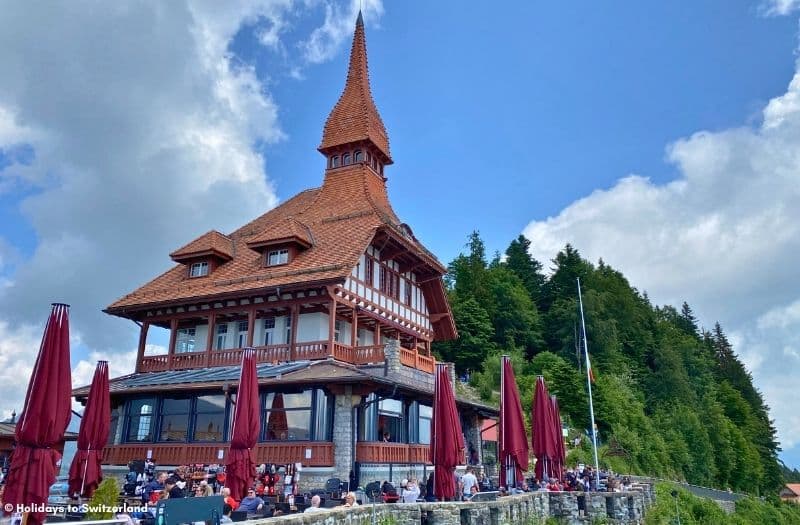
pixel 355 118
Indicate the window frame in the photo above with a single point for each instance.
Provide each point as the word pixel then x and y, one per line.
pixel 279 253
pixel 203 269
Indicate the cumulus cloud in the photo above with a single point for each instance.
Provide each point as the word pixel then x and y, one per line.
pixel 338 26
pixel 142 134
pixel 779 7
pixel 724 236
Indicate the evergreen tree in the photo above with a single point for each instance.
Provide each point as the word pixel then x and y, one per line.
pixel 528 269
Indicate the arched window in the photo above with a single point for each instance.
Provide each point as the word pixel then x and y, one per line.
pixel 358 156
pixel 345 159
pixel 335 161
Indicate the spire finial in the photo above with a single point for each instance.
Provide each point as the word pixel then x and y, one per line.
pixel 360 19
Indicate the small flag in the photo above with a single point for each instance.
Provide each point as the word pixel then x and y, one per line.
pixel 589 367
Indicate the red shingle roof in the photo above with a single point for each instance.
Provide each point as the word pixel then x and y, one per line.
pixel 210 243
pixel 354 117
pixel 337 222
pixel 287 230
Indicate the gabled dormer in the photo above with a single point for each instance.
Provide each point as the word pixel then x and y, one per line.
pixel 281 242
pixel 204 254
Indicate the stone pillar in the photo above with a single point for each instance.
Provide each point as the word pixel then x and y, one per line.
pixel 451 371
pixel 472 432
pixel 391 352
pixel 342 433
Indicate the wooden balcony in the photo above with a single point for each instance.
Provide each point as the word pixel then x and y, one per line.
pixel 186 453
pixel 367 452
pixel 359 355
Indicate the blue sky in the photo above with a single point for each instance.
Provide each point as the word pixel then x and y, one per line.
pixel 657 135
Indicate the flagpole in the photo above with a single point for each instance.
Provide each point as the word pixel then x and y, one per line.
pixel 589 383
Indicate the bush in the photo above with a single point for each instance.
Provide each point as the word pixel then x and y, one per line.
pixel 105 497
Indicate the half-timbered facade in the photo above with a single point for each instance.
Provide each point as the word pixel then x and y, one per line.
pixel 338 297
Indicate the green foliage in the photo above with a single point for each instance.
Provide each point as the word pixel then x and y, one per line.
pixel 105 497
pixel 701 511
pixel 670 400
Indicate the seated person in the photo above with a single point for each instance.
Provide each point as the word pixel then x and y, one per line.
pixel 228 500
pixel 226 514
pixel 316 501
pixel 350 500
pixel 389 492
pixel 251 503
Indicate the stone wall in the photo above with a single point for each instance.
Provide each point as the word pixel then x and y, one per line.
pixel 532 508
pixel 342 435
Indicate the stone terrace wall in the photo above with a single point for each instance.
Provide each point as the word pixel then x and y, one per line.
pixel 526 509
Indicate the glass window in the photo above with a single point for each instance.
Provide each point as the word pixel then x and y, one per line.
pixel 198 269
pixel 174 421
pixel 287 416
pixel 335 161
pixel 277 257
pixel 407 295
pixel 323 417
pixel 358 156
pixel 140 419
pixel 115 429
pixel 185 341
pixel 337 331
pixel 209 419
pixel 288 329
pixel 369 269
pixel 269 329
pixel 222 336
pixel 345 159
pixel 425 418
pixel 390 420
pixel 241 339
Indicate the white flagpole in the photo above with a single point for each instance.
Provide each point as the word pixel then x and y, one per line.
pixel 589 383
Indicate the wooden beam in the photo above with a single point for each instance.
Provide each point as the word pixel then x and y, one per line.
pixel 389 254
pixel 173 334
pixel 293 341
pixel 354 328
pixel 142 344
pixel 251 326
pixel 331 324
pixel 212 321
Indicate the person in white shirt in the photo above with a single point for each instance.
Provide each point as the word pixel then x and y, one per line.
pixel 410 493
pixel 316 501
pixel 468 481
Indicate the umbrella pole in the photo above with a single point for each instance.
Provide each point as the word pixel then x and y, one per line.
pixel 83 479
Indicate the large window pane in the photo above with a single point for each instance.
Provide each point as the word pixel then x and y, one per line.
pixel 424 431
pixel 278 400
pixel 323 410
pixel 174 423
pixel 210 419
pixel 140 420
pixel 390 421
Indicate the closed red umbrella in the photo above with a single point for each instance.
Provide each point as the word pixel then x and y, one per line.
pixel 277 424
pixel 558 439
pixel 44 419
pixel 84 473
pixel 447 441
pixel 544 447
pixel 512 441
pixel 241 468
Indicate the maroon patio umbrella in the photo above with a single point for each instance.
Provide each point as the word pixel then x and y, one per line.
pixel 544 446
pixel 512 440
pixel 241 470
pixel 44 419
pixel 84 473
pixel 558 440
pixel 447 441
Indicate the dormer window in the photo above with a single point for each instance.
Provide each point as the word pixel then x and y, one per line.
pixel 358 156
pixel 345 159
pixel 335 161
pixel 198 269
pixel 277 257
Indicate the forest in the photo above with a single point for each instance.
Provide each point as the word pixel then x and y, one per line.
pixel 671 397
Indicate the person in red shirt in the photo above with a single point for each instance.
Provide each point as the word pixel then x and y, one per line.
pixel 228 500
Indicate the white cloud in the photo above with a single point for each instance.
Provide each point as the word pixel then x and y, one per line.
pixel 723 236
pixel 143 131
pixel 338 26
pixel 779 7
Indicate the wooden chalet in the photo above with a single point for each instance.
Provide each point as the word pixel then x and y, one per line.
pixel 338 297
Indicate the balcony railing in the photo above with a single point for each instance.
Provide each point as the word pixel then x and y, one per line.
pixel 314 350
pixel 309 453
pixel 391 453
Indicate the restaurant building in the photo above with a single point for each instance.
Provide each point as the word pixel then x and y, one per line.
pixel 340 301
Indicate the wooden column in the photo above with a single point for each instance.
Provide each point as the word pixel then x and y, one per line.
pixel 251 326
pixel 212 320
pixel 416 352
pixel 142 344
pixel 173 335
pixel 378 332
pixel 354 329
pixel 295 313
pixel 331 324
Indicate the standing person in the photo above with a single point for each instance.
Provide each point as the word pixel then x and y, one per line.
pixel 411 491
pixel 468 481
pixel 429 495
